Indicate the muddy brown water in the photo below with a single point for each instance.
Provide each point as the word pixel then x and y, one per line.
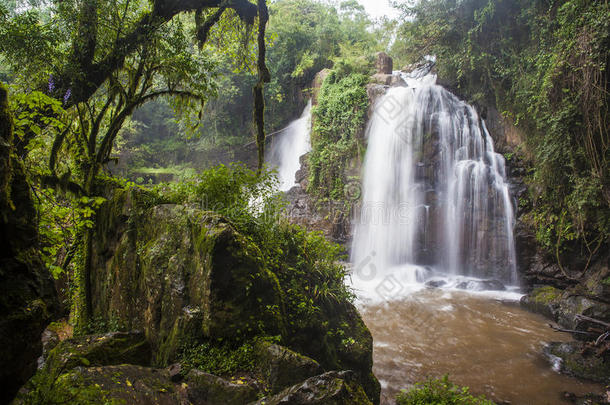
pixel 492 346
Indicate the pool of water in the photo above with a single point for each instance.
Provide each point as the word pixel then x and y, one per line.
pixel 484 342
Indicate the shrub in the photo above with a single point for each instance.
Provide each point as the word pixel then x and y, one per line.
pixel 439 392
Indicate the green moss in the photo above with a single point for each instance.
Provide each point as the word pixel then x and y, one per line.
pixel 545 295
pixel 606 281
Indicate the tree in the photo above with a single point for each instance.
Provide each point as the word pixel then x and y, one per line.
pixel 108 57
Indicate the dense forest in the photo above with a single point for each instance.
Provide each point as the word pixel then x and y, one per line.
pixel 144 234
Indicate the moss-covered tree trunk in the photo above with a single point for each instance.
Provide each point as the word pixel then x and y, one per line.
pixel 28 299
pixel 83 302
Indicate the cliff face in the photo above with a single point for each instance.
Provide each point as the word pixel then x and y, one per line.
pixel 27 295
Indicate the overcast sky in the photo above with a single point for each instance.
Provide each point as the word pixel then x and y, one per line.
pixel 378 8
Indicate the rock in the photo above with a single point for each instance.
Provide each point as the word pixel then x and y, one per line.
pixel 316 85
pixel 122 384
pixel 28 300
pixel 544 301
pixel 100 350
pixel 282 367
pixel 382 78
pixel 204 389
pixel 183 274
pixel 175 371
pixel 333 353
pixel 564 306
pixel 587 399
pixel 179 272
pixel 384 63
pixel 481 285
pixel 332 388
pixel 50 340
pixel 436 283
pixel 579 361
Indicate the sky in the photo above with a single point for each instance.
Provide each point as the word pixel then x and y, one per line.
pixel 378 8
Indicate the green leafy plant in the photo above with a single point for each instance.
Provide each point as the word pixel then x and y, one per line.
pixel 439 392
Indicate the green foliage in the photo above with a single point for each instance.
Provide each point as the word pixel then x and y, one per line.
pixel 218 359
pixel 312 278
pixel 439 392
pixel 243 196
pixel 548 71
pixel 307 265
pixel 339 120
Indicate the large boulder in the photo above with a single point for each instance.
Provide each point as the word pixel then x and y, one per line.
pixel 567 306
pixel 100 350
pixel 204 389
pixel 579 360
pixel 28 301
pixel 183 275
pixel 282 367
pixel 180 274
pixel 332 388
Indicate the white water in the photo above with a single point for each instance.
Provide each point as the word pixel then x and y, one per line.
pixel 435 198
pixel 288 146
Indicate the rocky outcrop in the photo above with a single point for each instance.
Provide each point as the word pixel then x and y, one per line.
pixel 182 274
pixel 316 85
pixel 28 300
pixel 113 368
pixel 579 360
pixel 568 306
pixel 204 389
pixel 332 388
pixel 281 367
pixel 383 63
pixel 178 272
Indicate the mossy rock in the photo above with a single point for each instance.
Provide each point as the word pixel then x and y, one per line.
pixel 544 300
pixel 341 342
pixel 112 385
pixel 180 274
pixel 281 367
pixel 332 388
pixel 578 361
pixel 204 389
pixel 100 350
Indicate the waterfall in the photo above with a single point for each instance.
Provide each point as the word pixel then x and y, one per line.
pixel 434 194
pixel 288 146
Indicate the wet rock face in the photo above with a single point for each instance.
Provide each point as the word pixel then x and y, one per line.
pixel 579 360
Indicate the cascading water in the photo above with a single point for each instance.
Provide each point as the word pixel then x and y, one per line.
pixel 288 146
pixel 434 192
